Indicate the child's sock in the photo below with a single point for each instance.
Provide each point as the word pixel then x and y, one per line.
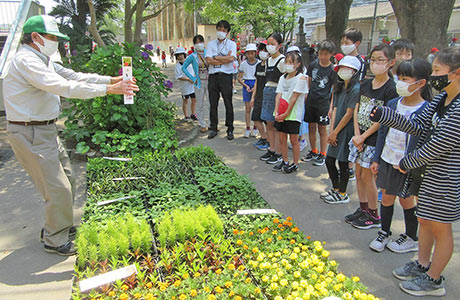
pixel 248 127
pixel 255 128
pixel 374 213
pixel 315 151
pixel 411 223
pixel 323 154
pixel 363 206
pixel 387 215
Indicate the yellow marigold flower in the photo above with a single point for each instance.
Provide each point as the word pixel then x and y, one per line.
pixel 273 286
pixel 257 290
pixel 182 297
pixel 265 278
pixel 333 263
pixel 275 232
pixel 177 283
pixel 280 273
pixel 363 296
pixel 306 296
pixel 292 241
pixel 236 274
pixel 304 283
pixel 247 280
pixel 355 278
pixel 279 238
pixel 356 294
pixel 231 294
pixel 274 278
pixel 314 276
pixel 319 248
pixel 283 282
pixel 340 277
pixel 245 247
pixel 238 298
pixel 325 253
pixel 297 274
pixel 255 250
pixel 288 267
pixel 330 274
pixel 347 296
pixel 196 275
pixel 186 276
pixel 269 240
pixel 150 297
pixel 218 271
pixel 239 242
pixel 231 267
pixel 285 251
pixel 207 289
pixel 149 285
pixel 296 250
pixel 228 284
pixel 124 287
pixel 324 292
pixel 295 285
pixel 337 287
pixel 279 298
pixel 193 293
pixel 124 296
pixel 304 247
pixel 242 232
pixel 218 289
pixel 328 280
pixel 211 297
pixel 293 256
pixel 277 254
pixel 320 269
pixel 137 295
pixel 112 294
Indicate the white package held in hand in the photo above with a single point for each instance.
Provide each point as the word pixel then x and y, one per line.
pixel 127 75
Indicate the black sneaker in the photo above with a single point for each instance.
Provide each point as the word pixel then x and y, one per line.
pixel 319 160
pixel 212 134
pixel 354 216
pixel 72 233
pixel 288 169
pixel 67 249
pixel 230 135
pixel 351 174
pixel 267 155
pixel 274 159
pixel 309 156
pixel 279 167
pixel 366 221
pixel 194 117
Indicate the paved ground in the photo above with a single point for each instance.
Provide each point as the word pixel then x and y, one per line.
pixel 297 195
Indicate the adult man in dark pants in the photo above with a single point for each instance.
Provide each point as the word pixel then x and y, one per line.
pixel 31 92
pixel 220 56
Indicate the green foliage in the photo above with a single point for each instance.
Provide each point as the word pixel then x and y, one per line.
pixel 108 125
pixel 181 224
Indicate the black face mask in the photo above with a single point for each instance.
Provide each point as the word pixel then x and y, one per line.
pixel 439 82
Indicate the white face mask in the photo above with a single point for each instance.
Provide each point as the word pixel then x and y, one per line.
pixel 49 47
pixel 289 68
pixel 377 69
pixel 221 35
pixel 347 49
pixel 271 49
pixel 263 55
pixel 345 74
pixel 199 47
pixel 402 88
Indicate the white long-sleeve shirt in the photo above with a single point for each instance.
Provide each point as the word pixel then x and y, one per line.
pixel 33 85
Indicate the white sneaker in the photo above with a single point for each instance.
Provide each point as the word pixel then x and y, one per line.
pixel 247 133
pixel 254 133
pixel 380 241
pixel 336 198
pixel 234 91
pixel 403 244
pixel 303 144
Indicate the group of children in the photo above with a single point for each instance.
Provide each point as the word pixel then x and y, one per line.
pixel 385 123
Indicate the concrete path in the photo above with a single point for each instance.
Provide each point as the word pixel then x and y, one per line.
pixel 297 195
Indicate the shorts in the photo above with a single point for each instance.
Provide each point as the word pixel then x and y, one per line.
pixel 315 114
pixel 268 104
pixel 390 179
pixel 363 158
pixel 235 76
pixel 246 95
pixel 257 109
pixel 189 96
pixel 290 127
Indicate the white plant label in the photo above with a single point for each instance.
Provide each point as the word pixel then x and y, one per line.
pixel 127 65
pixel 128 178
pixel 97 281
pixel 117 158
pixel 114 200
pixel 256 211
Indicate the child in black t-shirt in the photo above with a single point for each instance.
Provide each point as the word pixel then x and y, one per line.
pixel 257 97
pixel 377 91
pixel 318 108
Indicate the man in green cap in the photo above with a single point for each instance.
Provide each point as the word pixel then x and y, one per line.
pixel 32 91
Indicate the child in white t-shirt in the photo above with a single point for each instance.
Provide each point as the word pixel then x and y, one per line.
pixel 289 109
pixel 186 84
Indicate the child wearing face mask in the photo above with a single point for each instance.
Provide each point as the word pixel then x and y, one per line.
pixel 392 144
pixel 346 96
pixel 404 50
pixel 274 71
pixel 377 91
pixel 438 150
pixel 200 67
pixel 257 97
pixel 289 110
pixel 186 84
pixel 349 43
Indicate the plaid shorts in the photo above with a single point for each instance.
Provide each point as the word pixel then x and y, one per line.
pixel 363 158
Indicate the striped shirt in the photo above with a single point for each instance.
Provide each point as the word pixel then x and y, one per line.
pixel 439 195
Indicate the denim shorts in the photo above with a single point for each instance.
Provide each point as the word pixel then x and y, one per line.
pixel 268 104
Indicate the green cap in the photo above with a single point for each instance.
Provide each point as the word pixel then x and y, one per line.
pixel 43 24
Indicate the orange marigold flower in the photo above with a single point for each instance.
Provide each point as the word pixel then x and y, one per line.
pixel 285 223
pixel 279 237
pixel 280 225
pixel 289 219
pixel 245 247
pixel 269 240
pixel 289 224
pixel 149 285
pixel 124 287
pixel 276 221
pixel 295 229
pixel 251 233
pixel 235 231
pixel 218 271
pixel 308 237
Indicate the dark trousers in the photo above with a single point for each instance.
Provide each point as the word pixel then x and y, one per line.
pixel 220 84
pixel 339 178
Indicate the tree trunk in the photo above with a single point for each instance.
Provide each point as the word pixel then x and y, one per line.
pixel 336 19
pixel 92 26
pixel 424 22
pixel 140 7
pixel 128 22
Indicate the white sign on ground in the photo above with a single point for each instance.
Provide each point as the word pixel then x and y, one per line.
pixel 117 158
pixel 256 211
pixel 97 281
pixel 114 200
